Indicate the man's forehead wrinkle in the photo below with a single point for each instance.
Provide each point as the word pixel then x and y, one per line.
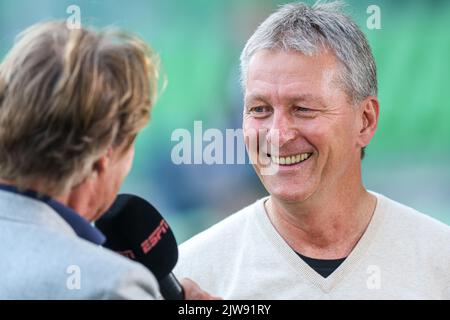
pixel 269 76
pixel 298 88
pixel 289 78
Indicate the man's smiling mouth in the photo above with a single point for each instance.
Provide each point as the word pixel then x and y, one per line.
pixel 291 159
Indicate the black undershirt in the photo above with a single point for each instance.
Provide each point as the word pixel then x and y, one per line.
pixel 322 267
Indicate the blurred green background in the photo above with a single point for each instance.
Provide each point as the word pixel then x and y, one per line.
pixel 199 42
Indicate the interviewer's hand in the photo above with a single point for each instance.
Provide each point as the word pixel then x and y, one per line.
pixel 193 292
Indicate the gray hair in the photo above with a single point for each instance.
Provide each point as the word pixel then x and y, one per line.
pixel 299 27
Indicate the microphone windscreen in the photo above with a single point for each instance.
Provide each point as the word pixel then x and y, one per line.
pixel 134 228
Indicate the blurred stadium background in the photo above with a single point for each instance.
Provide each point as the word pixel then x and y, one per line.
pixel 199 42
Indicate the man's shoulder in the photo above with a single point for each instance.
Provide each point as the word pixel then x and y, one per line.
pixel 64 266
pixel 102 269
pixel 222 233
pixel 217 247
pixel 408 220
pixel 417 239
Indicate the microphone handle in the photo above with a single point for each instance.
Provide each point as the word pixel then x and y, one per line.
pixel 171 288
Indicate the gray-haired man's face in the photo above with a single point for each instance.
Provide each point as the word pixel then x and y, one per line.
pixel 297 97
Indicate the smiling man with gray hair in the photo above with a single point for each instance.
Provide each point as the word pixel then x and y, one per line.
pixel 310 85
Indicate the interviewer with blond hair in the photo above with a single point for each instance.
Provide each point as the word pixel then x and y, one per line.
pixel 71 105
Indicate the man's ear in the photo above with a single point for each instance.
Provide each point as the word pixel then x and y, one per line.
pixel 369 112
pixel 101 165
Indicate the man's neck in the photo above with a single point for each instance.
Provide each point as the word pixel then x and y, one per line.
pixel 327 225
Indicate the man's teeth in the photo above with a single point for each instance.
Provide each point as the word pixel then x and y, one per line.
pixel 289 160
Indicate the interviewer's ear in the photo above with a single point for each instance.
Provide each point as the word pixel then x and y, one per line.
pixel 369 111
pixel 101 165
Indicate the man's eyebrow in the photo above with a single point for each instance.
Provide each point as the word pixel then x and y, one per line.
pixel 255 97
pixel 307 97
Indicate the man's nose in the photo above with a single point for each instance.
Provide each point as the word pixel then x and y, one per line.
pixel 282 130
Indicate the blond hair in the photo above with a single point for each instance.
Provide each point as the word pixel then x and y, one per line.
pixel 66 97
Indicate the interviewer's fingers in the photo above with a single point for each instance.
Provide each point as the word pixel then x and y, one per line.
pixel 192 291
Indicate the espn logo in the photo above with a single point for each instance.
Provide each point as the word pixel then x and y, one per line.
pixel 149 243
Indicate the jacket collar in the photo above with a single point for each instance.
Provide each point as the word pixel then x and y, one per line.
pixel 28 198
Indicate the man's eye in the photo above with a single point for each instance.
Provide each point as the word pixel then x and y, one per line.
pixel 302 109
pixel 259 110
pixel 305 112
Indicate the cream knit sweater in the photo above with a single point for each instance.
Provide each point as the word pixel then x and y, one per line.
pixel 403 254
